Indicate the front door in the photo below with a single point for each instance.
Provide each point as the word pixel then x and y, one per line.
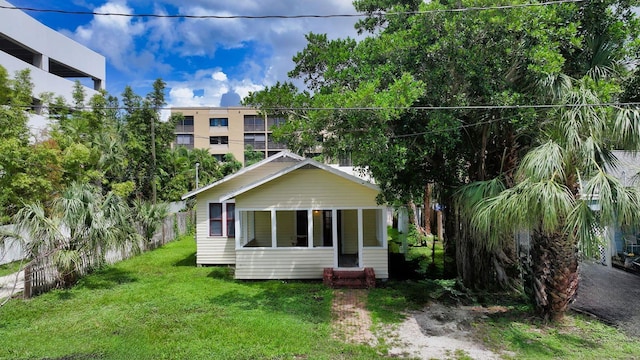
pixel 347 238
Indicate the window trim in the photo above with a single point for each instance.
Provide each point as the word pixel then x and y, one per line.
pixel 224 218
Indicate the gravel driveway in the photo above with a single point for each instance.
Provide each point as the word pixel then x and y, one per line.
pixel 610 294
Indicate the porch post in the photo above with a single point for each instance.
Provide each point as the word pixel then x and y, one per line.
pixel 383 228
pixel 360 238
pixel 334 235
pixel 310 228
pixel 274 229
pixel 236 224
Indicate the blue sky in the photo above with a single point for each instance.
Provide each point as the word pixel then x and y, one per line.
pixel 200 59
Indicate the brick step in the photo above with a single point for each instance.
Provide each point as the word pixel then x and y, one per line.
pixel 350 283
pixel 351 274
pixel 354 279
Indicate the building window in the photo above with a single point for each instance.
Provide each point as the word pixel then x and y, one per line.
pixel 218 157
pixel 275 122
pixel 216 122
pixel 231 220
pixel 218 140
pixel 253 123
pixel 257 141
pixel 273 144
pixel 185 124
pixel 215 219
pixel 185 140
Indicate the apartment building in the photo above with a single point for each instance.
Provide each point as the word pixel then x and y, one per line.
pixel 54 60
pixel 226 130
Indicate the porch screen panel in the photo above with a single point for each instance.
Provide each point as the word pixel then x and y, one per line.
pixel 370 227
pixel 262 228
pixel 286 232
pixel 322 228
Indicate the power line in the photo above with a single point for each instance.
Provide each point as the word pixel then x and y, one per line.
pixel 370 108
pixel 301 16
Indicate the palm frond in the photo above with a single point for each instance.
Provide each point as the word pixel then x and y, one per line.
pixel 543 162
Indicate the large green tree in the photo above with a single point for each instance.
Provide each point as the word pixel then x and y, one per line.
pixel 28 171
pixel 442 97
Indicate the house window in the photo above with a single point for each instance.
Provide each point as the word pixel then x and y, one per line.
pixel 185 140
pixel 215 219
pixel 231 220
pixel 218 140
pixel 185 124
pixel 253 123
pixel 215 122
pixel 222 223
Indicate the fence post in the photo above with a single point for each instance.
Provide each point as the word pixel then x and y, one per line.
pixel 27 282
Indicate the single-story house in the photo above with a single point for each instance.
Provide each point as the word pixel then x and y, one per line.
pixel 288 217
pixel 624 241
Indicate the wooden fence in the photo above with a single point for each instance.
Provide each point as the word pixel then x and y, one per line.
pixel 40 275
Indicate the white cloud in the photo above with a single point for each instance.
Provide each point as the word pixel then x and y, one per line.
pixel 219 76
pixel 115 38
pixel 144 48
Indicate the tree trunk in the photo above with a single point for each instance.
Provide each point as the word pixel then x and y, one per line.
pixel 555 267
pixel 428 189
pixel 413 219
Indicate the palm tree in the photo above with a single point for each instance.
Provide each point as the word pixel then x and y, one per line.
pixel 556 185
pixel 78 230
pixel 149 218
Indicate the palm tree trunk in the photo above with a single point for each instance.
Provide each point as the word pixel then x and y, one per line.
pixel 555 266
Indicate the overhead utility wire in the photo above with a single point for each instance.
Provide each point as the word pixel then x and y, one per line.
pixel 376 108
pixel 302 16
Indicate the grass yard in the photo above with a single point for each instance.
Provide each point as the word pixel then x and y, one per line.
pixel 160 306
pixel 10 268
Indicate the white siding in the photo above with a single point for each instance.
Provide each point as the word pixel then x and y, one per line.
pixel 308 189
pixel 215 251
pixel 370 227
pixel 291 263
pixel 378 260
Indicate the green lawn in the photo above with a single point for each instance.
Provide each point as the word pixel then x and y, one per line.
pixel 160 306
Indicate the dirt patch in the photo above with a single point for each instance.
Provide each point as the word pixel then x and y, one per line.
pixel 436 332
pixel 442 332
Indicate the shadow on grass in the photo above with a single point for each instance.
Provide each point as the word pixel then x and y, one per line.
pixel 188 261
pixel 309 301
pixel 221 273
pixel 557 346
pixel 106 278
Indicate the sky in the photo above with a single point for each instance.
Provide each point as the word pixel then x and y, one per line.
pixel 205 62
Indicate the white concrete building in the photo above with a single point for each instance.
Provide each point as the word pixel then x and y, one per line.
pixel 55 60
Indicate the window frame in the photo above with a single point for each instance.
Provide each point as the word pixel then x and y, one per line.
pixel 218 122
pixel 227 219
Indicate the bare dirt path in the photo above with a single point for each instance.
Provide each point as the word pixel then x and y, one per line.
pixel 436 332
pixel 11 284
